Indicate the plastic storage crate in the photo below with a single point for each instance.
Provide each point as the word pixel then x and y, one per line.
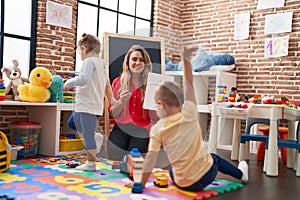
pixel 25 134
pixel 71 144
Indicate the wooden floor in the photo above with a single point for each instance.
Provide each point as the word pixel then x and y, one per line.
pixel 260 186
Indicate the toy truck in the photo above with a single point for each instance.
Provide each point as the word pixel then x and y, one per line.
pixel 161 182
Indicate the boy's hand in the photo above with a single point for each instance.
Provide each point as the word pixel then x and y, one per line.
pixel 129 185
pixel 187 52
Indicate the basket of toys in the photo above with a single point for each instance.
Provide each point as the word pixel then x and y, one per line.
pixel 25 134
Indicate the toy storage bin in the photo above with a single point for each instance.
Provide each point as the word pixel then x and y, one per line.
pixel 25 134
pixel 70 142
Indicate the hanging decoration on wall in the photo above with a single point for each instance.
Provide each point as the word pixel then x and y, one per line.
pixel 58 14
pixel 264 4
pixel 241 26
pixel 276 47
pixel 278 23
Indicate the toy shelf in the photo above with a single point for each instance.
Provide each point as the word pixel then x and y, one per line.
pixel 53 119
pixel 205 84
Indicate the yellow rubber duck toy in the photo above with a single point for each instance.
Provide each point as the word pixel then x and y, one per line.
pixel 36 91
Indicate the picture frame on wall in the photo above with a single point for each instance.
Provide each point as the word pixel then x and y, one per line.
pixel 59 14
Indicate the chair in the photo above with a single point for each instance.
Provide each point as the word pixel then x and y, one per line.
pixel 293 144
pixel 283 135
pixel 251 137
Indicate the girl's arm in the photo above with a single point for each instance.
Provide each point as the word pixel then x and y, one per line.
pixel 84 77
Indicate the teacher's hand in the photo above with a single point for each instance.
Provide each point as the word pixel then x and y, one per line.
pixel 125 96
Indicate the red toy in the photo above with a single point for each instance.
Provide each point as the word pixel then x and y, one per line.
pixel 72 164
pixel 2 90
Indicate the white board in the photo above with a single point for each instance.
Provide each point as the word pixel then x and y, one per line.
pixel 154 80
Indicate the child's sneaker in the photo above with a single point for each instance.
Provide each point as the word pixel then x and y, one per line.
pixel 86 167
pixel 243 166
pixel 99 141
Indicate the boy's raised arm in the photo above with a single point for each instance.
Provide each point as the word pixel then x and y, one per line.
pixel 188 85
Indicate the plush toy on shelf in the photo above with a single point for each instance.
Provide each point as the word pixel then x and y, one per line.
pixel 56 89
pixel 14 73
pixel 205 61
pixel 40 80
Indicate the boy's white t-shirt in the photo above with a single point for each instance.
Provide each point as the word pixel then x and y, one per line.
pixel 90 86
pixel 181 137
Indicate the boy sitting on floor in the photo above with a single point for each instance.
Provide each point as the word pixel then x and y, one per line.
pixel 179 133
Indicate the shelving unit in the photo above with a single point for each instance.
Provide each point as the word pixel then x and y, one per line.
pixel 54 121
pixel 49 115
pixel 204 82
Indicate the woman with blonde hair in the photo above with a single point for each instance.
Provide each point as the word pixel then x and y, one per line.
pixel 132 122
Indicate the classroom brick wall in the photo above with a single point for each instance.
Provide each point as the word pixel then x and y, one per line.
pixel 211 24
pixel 167 25
pixel 55 48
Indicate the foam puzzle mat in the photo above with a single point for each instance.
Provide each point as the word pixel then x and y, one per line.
pixel 32 180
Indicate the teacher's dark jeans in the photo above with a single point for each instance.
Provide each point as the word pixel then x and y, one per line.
pixel 124 137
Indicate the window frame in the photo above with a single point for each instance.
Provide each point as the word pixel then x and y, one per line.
pixel 118 12
pixel 98 7
pixel 31 39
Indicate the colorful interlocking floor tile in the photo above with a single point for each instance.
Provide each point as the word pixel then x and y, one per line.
pixel 32 180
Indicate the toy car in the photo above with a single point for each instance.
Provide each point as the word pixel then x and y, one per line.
pixel 137 187
pixel 72 164
pixel 115 165
pixel 161 182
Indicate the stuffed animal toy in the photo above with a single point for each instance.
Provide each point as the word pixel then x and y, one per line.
pixel 205 61
pixel 14 75
pixel 40 80
pixel 56 89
